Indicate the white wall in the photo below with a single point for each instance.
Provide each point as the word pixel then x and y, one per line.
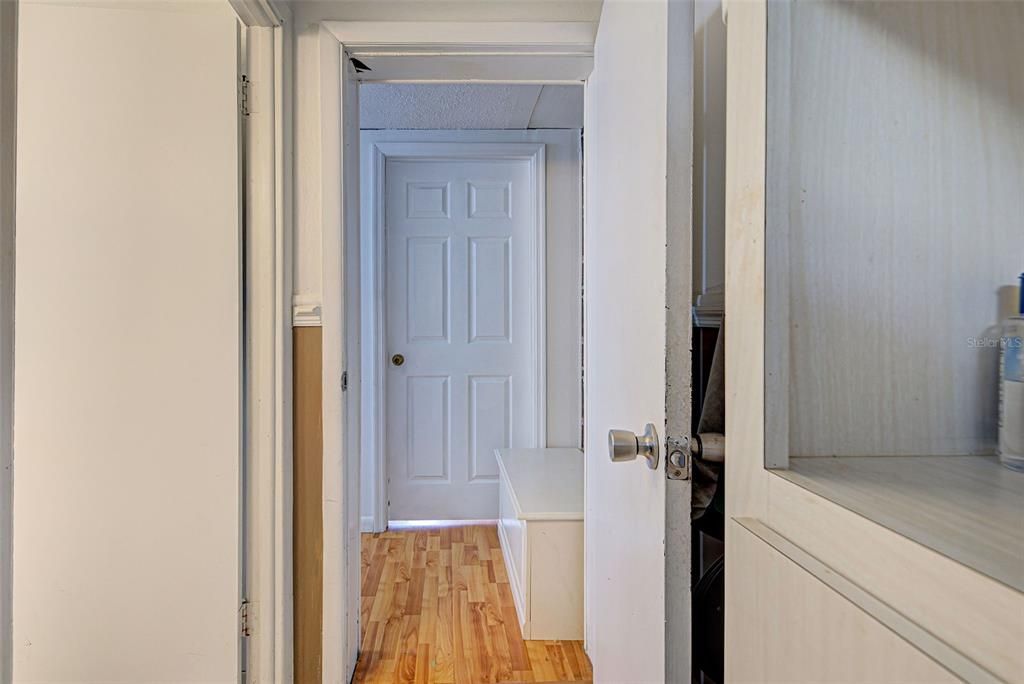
pixel 709 45
pixel 898 171
pixel 564 278
pixel 8 109
pixel 128 360
pixel 308 277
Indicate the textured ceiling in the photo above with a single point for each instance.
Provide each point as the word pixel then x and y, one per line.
pixel 470 106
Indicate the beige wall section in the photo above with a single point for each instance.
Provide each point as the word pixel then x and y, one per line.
pixel 307 520
pixel 8 109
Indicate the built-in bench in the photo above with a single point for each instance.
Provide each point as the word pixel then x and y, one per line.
pixel 541 533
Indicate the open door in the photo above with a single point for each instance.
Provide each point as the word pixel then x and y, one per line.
pixel 128 345
pixel 637 356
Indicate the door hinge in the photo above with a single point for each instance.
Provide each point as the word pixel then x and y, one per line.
pixel 243 95
pixel 344 381
pixel 244 619
pixel 677 466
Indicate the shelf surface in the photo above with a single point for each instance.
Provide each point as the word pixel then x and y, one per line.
pixel 968 508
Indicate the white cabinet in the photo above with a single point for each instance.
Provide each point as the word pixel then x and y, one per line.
pixel 860 410
pixel 541 533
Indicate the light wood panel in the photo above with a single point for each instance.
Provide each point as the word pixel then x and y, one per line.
pixel 744 309
pixel 976 615
pixel 307 519
pixel 894 174
pixel 795 628
pixel 972 614
pixel 966 507
pixel 437 607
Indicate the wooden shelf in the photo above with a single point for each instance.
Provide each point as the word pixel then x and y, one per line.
pixel 968 508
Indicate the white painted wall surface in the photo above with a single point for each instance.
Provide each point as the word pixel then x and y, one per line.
pixel 563 271
pixel 447 10
pixel 126 540
pixel 624 283
pixel 8 110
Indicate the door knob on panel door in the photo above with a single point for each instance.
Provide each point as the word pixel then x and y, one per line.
pixel 397 360
pixel 624 445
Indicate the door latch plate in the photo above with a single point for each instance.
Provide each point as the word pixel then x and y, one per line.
pixel 677 465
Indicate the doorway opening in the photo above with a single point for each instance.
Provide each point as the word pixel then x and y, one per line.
pixel 708 335
pixel 470 269
pixel 637 67
pixel 470 309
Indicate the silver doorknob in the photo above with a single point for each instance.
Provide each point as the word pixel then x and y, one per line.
pixel 624 445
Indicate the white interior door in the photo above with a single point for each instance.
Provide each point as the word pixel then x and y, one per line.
pixel 461 270
pixel 637 331
pixel 128 354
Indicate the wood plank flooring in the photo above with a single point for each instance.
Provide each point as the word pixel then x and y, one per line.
pixel 437 607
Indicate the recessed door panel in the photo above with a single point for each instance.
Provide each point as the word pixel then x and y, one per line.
pixel 490 423
pixel 427 445
pixel 488 199
pixel 490 289
pixel 428 283
pixel 427 200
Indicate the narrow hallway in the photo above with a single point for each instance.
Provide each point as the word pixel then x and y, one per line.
pixel 437 607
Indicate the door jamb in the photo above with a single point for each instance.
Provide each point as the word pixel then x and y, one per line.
pixel 566 59
pixel 267 494
pixel 377 147
pixel 8 137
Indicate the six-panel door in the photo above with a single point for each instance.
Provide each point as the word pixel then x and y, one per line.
pixel 460 329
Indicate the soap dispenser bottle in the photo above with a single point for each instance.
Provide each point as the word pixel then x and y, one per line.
pixel 1011 389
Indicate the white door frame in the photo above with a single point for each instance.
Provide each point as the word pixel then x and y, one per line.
pixel 8 114
pixel 267 487
pixel 548 52
pixel 376 148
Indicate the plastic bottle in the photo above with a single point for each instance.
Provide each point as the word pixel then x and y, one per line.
pixel 1011 389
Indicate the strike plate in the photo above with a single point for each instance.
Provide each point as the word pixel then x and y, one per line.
pixel 677 465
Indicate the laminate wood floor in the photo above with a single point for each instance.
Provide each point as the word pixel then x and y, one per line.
pixel 437 607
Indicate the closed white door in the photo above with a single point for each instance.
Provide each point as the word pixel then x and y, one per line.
pixel 461 336
pixel 128 355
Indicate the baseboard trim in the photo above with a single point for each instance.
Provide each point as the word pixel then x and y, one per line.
pixel 420 524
